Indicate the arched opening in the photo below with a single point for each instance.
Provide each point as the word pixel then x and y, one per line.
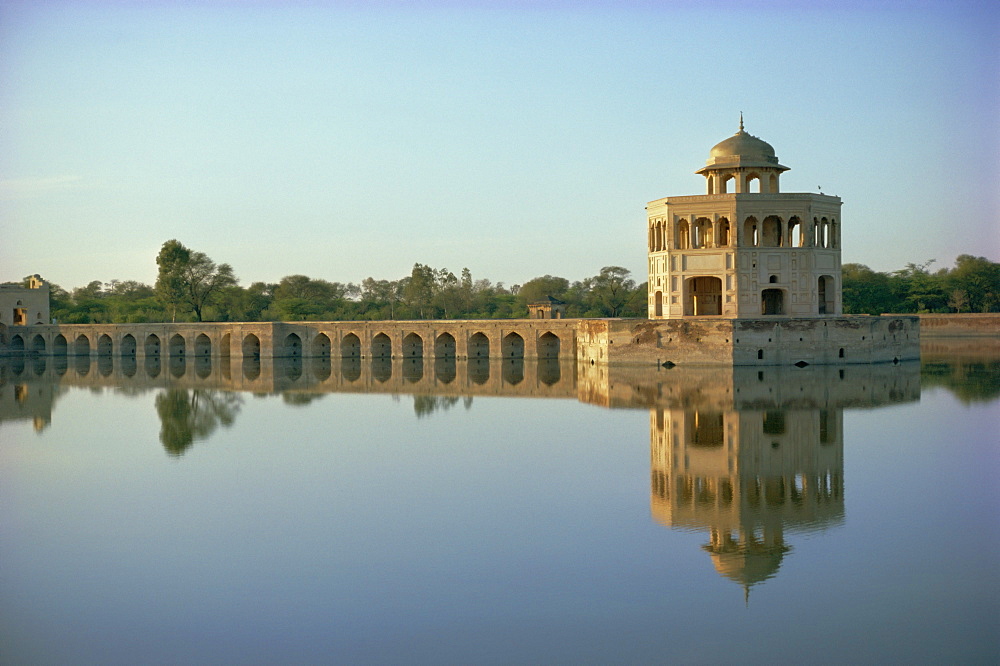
pixel 824 231
pixel 128 346
pixel 658 304
pixel 773 279
pixel 725 184
pixel 548 346
pixel 413 346
pixel 834 235
pixel 753 183
pixel 381 346
pixel 512 346
pixel 292 346
pixel 59 346
pixel 479 346
pixel 82 345
pixel 825 291
pixel 724 232
pixel 321 347
pixel 772 302
pixel 104 345
pixel 444 346
pixel 795 235
pixel 350 346
pixel 176 346
pixel 704 296
pixel 202 346
pixel 17 343
pixel 750 232
pixel 152 345
pixel 38 344
pixel 771 232
pixel 703 233
pixel 683 235
pixel 251 347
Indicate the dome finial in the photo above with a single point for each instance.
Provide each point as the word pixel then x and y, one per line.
pixel 741 121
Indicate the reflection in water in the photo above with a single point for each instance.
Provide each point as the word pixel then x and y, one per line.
pixel 350 369
pixel 189 415
pixel 382 369
pixel 513 371
pixel 479 371
pixel 413 370
pixel 425 405
pixel 445 369
pixel 152 366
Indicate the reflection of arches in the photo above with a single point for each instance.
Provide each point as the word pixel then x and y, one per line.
pixel 381 346
pixel 512 346
pixel 202 365
pixel 320 367
pixel 321 346
pixel 176 346
pixel 445 369
pixel 413 369
pixel 772 302
pixel 826 289
pixel 152 345
pixel 413 346
pixel 59 347
pixel 175 364
pixel 382 369
pixel 251 363
pixel 658 304
pixel 479 346
pixel 152 365
pixel 444 346
pixel 512 371
pixel 350 368
pixel 224 348
pixel 479 371
pixel 292 346
pixel 549 371
pixel 82 345
pixel 202 345
pixel 104 345
pixel 350 346
pixel 704 296
pixel 548 346
pixel 705 429
pixel 251 347
pixel 128 345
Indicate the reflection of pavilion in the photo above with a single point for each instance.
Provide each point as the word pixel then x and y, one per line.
pixel 749 457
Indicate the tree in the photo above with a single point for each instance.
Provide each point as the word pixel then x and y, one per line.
pixel 611 291
pixel 190 280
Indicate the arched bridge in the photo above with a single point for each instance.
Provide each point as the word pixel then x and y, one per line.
pixel 460 339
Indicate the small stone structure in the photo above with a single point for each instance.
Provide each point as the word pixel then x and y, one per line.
pixel 24 306
pixel 550 308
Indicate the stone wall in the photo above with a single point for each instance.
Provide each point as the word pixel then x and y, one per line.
pixel 959 325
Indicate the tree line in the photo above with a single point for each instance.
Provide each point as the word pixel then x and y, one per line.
pixel 190 286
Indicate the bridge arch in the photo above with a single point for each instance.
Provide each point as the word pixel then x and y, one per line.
pixel 321 346
pixel 81 346
pixel 38 344
pixel 104 345
pixel 59 346
pixel 512 346
pixel 479 345
pixel 548 345
pixel 152 345
pixel 202 345
pixel 251 348
pixel 177 345
pixel 444 346
pixel 292 346
pixel 382 347
pixel 17 343
pixel 128 345
pixel 350 346
pixel 413 346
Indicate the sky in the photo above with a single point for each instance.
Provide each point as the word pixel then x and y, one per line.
pixel 345 140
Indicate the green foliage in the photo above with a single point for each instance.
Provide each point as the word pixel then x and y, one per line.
pixel 972 286
pixel 190 281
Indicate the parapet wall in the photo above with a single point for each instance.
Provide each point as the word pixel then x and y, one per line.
pixel 956 325
pixel 749 342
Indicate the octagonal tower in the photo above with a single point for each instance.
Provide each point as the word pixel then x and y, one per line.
pixel 744 249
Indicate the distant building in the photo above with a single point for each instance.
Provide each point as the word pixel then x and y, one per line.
pixel 744 249
pixel 24 306
pixel 550 308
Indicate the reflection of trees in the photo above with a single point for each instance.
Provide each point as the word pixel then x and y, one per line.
pixel 970 381
pixel 425 405
pixel 189 415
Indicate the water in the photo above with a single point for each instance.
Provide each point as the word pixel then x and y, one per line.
pixel 320 512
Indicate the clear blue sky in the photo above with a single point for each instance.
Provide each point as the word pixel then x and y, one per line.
pixel 343 140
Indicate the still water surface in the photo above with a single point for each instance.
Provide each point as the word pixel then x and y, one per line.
pixel 328 511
